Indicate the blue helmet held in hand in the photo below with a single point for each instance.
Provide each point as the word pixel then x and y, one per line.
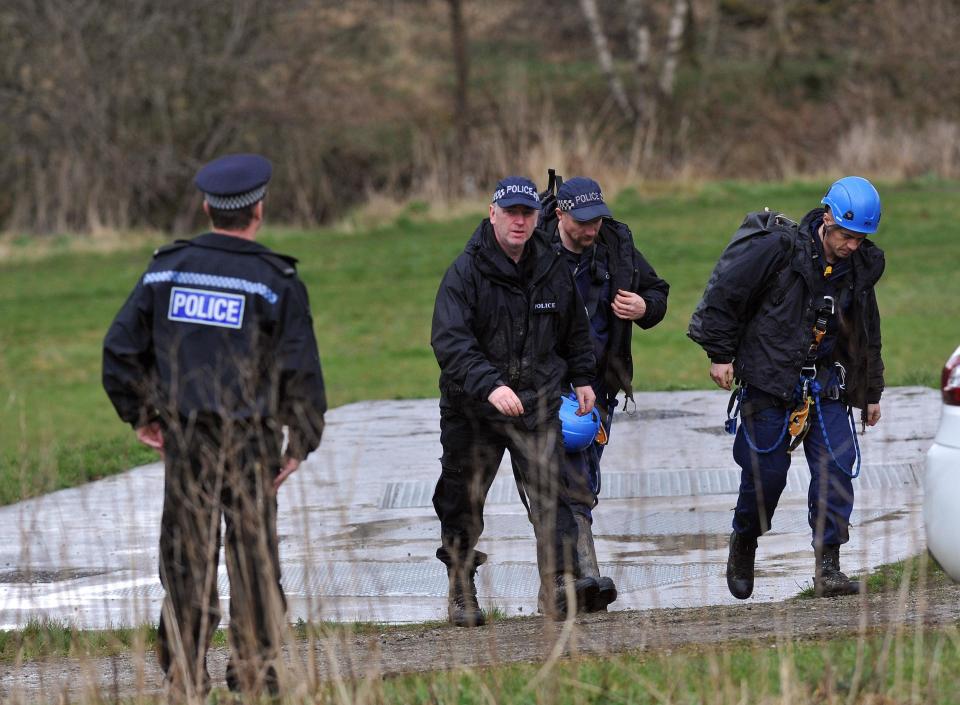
pixel 854 204
pixel 578 431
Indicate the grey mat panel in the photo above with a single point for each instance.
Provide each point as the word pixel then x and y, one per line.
pixel 664 483
pixel 428 579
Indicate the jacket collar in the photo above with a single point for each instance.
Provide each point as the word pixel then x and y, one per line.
pixel 229 243
pixel 867 262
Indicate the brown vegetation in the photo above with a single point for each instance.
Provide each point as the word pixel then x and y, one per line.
pixel 109 108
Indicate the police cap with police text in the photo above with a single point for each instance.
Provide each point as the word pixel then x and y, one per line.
pixel 234 181
pixel 582 198
pixel 516 191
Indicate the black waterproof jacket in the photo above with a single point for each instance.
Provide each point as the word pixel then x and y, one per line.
pixel 760 305
pixel 615 256
pixel 219 327
pixel 499 323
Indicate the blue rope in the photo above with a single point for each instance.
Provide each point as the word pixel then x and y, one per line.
pixel 746 434
pixel 815 388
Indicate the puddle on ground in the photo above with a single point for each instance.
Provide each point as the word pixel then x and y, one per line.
pixel 373 529
pixel 36 577
pixel 891 516
pixel 672 544
pixel 907 439
pixel 651 415
pixel 712 430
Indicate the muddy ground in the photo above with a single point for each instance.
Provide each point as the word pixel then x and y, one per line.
pixel 409 649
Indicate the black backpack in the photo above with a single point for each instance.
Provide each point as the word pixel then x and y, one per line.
pixel 755 224
pixel 548 200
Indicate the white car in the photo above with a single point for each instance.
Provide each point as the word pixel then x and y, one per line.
pixel 941 502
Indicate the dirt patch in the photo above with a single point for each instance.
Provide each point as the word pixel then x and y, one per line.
pixel 396 650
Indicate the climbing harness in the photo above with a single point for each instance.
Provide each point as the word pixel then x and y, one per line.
pixel 800 416
pixel 733 411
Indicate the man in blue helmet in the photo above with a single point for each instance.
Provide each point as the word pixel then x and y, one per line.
pixel 790 312
pixel 509 334
pixel 211 356
pixel 619 289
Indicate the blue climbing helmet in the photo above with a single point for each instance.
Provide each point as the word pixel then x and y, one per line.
pixel 854 204
pixel 578 431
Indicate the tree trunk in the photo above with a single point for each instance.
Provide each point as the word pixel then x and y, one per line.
pixel 605 59
pixel 668 75
pixel 461 61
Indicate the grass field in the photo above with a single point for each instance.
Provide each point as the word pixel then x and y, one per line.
pixel 372 295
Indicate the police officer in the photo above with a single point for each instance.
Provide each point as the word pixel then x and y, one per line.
pixel 619 289
pixel 509 334
pixel 210 357
pixel 791 313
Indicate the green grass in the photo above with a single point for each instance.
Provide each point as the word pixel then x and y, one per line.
pixel 878 669
pixel 372 295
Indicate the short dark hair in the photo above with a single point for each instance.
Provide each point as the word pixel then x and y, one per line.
pixel 238 219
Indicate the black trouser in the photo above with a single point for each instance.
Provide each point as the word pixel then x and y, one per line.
pixel 472 450
pixel 217 468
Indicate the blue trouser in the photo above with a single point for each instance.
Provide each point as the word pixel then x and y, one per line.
pixel 764 475
pixel 581 469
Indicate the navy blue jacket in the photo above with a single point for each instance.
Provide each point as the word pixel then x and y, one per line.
pixel 760 305
pixel 218 326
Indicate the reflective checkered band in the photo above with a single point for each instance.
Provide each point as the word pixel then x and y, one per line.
pixel 236 201
pixel 565 204
pixel 200 279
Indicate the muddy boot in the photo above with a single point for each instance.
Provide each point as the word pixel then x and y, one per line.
pixel 588 568
pixel 554 603
pixel 463 609
pixel 740 560
pixel 828 581
pixel 260 682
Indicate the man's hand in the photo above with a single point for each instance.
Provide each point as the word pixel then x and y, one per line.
pixel 629 306
pixel 873 414
pixel 586 398
pixel 290 466
pixel 151 435
pixel 506 401
pixel 722 374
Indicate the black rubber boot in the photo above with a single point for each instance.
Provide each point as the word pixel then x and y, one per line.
pixel 588 568
pixel 463 608
pixel 606 593
pixel 828 581
pixel 585 591
pixel 740 560
pixel 266 684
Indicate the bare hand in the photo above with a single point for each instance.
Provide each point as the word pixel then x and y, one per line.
pixel 151 435
pixel 506 401
pixel 873 414
pixel 586 398
pixel 629 306
pixel 290 466
pixel 722 374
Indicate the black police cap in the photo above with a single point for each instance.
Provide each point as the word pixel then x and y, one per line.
pixel 234 181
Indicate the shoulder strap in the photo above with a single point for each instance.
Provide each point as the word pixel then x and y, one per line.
pixel 285 264
pixel 172 247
